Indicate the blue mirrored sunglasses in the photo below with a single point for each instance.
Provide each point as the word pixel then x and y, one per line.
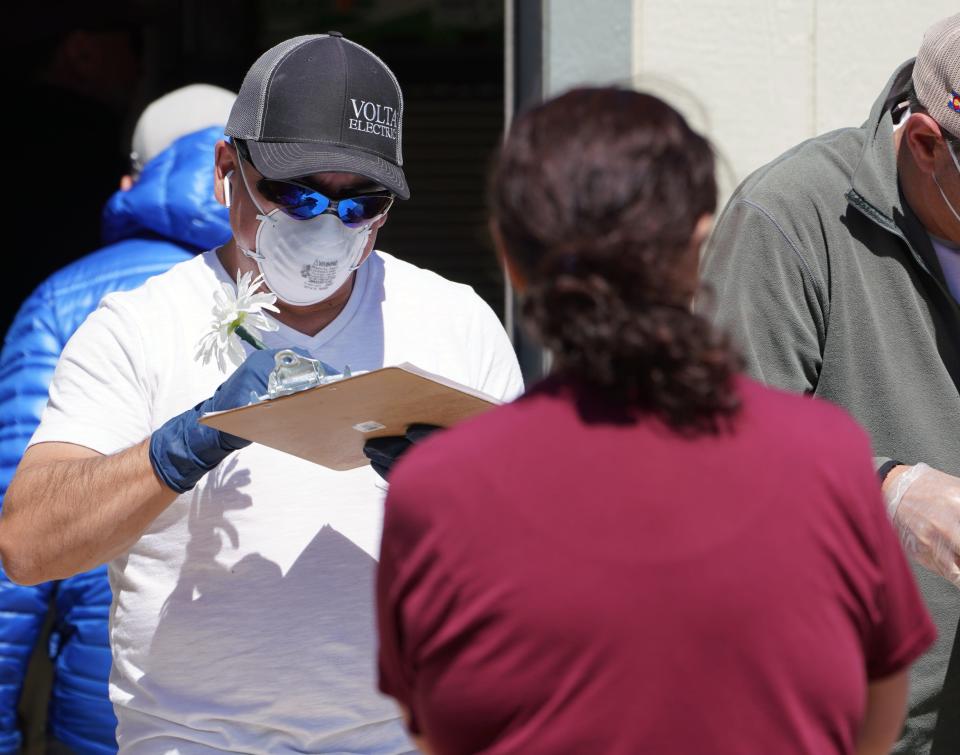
pixel 301 201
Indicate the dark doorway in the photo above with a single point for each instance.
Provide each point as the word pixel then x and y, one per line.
pixel 449 58
pixel 447 54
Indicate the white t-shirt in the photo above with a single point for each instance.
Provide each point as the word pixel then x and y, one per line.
pixel 242 620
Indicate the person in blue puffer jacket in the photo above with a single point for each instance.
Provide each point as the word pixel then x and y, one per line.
pixel 162 216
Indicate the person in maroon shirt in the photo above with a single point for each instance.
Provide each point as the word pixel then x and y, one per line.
pixel 648 552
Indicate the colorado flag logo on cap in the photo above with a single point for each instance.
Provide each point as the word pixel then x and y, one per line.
pixel 954 101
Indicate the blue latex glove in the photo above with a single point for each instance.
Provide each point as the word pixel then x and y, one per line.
pixel 182 451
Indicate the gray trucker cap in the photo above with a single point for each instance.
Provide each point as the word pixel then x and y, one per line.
pixel 321 103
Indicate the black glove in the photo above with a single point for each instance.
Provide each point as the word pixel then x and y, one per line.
pixel 384 452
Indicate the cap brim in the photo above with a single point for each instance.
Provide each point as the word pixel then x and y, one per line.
pixel 294 159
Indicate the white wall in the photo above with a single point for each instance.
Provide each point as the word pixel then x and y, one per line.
pixel 761 75
pixel 586 41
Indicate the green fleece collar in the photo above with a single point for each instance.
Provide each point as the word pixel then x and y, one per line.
pixel 874 187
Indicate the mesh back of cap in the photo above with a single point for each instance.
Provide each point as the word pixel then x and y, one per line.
pixel 936 74
pixel 246 117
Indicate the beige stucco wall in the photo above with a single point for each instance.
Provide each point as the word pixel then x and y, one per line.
pixel 757 75
pixel 761 75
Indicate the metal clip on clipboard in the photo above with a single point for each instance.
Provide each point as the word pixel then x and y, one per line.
pixel 293 373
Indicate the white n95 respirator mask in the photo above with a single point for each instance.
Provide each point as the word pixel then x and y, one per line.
pixel 306 260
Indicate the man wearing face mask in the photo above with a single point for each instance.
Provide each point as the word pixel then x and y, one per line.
pixel 242 577
pixel 837 269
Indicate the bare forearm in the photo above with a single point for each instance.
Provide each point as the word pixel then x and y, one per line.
pixel 419 741
pixel 884 714
pixel 62 516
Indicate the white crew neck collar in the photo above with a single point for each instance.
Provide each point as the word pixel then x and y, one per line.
pixel 288 336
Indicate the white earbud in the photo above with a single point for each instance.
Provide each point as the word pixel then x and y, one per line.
pixel 227 189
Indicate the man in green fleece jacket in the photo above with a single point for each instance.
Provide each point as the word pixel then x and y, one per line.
pixel 836 268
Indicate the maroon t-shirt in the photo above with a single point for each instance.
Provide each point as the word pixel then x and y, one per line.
pixel 556 578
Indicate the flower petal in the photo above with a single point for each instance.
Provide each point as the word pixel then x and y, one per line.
pixel 235 351
pixel 233 308
pixel 261 322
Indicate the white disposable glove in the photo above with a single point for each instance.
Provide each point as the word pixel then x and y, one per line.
pixel 924 505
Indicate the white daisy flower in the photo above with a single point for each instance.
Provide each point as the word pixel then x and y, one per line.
pixel 237 315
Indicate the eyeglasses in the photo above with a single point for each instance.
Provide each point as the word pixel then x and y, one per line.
pixel 301 201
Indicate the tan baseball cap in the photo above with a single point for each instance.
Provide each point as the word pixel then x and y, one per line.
pixel 936 73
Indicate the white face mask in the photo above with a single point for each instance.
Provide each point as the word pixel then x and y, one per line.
pixel 304 262
pixel 943 194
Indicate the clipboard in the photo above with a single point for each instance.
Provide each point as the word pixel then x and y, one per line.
pixel 328 424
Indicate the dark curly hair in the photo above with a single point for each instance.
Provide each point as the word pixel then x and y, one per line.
pixel 596 195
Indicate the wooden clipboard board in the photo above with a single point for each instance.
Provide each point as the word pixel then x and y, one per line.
pixel 329 424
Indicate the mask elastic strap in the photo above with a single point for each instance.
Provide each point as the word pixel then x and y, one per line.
pixel 945 200
pixel 940 188
pixel 246 185
pixel 262 216
pixel 360 260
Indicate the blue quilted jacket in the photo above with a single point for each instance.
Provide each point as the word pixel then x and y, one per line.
pixel 168 216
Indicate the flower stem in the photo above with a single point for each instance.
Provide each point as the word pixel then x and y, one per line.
pixel 247 336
